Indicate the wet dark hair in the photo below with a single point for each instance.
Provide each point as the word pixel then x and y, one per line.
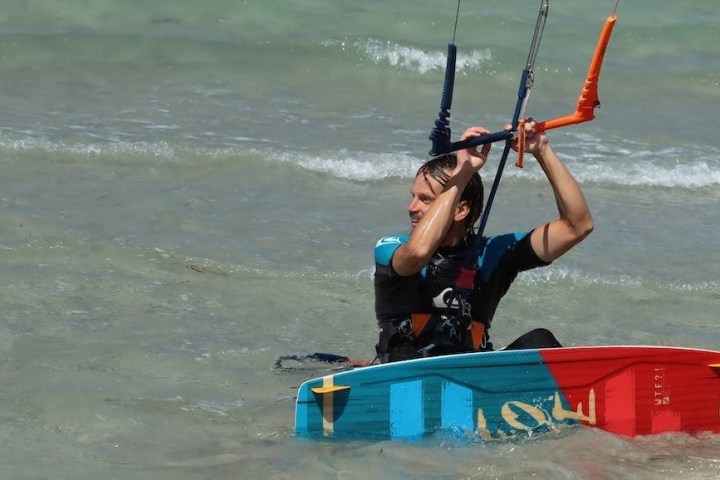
pixel 473 193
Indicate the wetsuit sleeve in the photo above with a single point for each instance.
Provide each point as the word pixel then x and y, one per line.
pixel 511 252
pixel 525 256
pixel 384 250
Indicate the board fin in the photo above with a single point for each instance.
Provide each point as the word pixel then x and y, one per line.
pixel 330 389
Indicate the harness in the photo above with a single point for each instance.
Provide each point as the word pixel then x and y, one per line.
pixel 446 326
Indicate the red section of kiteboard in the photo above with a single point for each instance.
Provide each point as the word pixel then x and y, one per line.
pixel 642 390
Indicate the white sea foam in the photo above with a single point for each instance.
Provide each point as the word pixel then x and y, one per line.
pixel 363 166
pixel 413 58
pixel 657 169
pixel 559 274
pixel 616 163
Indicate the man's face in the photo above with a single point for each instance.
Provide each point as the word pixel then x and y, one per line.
pixel 423 192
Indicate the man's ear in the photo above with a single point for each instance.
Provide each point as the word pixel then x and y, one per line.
pixel 461 211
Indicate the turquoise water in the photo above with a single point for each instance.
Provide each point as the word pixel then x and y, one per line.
pixel 192 189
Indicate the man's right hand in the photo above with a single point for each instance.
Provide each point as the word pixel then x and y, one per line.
pixel 471 156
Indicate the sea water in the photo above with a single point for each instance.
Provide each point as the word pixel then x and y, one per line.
pixel 190 190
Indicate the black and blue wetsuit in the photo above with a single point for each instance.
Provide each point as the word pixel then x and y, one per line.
pixel 418 315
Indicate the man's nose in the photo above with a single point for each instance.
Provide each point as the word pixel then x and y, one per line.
pixel 412 205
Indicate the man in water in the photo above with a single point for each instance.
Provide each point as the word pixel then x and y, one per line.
pixel 419 310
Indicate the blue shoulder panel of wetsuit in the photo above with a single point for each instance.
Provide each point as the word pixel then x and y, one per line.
pixel 386 246
pixel 495 248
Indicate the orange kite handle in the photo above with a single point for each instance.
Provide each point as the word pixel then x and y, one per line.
pixel 588 100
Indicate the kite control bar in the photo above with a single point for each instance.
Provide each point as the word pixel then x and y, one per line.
pixel 584 110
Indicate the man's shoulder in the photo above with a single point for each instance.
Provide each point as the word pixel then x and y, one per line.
pixel 386 246
pixel 505 240
pixel 494 247
pixel 392 240
pixel 510 249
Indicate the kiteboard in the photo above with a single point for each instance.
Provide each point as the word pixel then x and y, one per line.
pixel 626 390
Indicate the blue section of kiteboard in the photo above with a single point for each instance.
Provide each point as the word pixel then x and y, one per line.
pixel 456 405
pixel 491 392
pixel 406 409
